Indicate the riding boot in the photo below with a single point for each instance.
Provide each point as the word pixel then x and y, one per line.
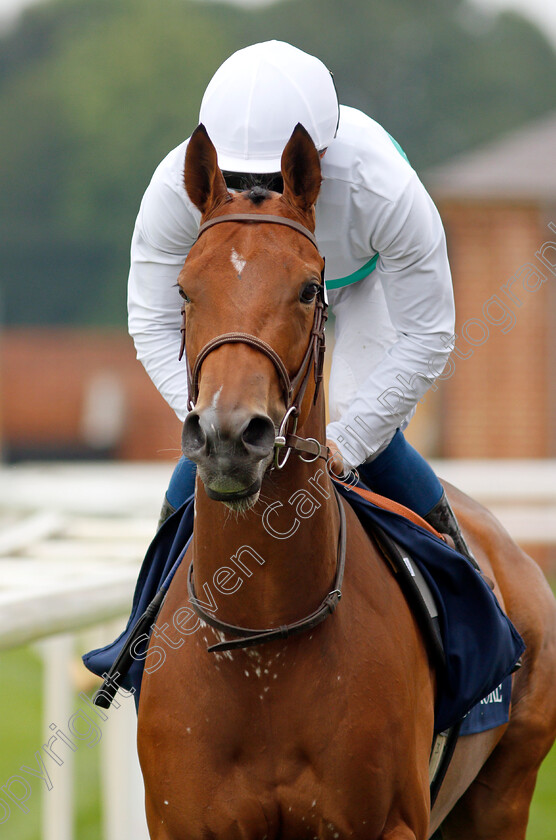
pixel 442 518
pixel 182 485
pixel 166 512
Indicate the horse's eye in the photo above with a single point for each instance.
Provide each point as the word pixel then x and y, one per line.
pixel 309 292
pixel 184 296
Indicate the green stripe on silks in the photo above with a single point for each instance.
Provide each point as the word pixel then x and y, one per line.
pixel 370 266
pixel 398 147
pixel 360 274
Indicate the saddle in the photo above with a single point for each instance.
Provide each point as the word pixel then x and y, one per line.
pixel 491 711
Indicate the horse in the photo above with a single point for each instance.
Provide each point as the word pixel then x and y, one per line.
pixel 323 731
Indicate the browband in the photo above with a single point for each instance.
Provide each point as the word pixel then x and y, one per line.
pixel 260 217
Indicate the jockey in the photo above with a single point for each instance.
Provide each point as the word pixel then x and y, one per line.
pixel 388 277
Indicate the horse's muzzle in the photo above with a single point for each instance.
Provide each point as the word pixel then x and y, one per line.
pixel 231 450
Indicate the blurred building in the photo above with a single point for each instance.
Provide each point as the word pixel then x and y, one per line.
pixel 498 203
pixel 69 393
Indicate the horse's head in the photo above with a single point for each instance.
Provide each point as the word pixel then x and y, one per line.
pixel 244 281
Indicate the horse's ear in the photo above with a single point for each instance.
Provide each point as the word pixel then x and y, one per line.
pixel 301 169
pixel 203 179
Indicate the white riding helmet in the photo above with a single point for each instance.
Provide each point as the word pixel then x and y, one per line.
pixel 256 98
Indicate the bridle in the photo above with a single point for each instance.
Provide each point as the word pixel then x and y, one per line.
pixel 294 392
pixel 309 449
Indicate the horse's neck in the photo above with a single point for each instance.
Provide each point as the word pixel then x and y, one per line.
pixel 276 563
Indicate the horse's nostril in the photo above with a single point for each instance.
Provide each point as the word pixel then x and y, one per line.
pixel 259 433
pixel 193 436
pixel 206 434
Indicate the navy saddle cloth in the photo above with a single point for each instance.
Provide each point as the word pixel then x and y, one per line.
pixel 481 645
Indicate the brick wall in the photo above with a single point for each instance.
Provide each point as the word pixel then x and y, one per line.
pixel 80 393
pixel 496 400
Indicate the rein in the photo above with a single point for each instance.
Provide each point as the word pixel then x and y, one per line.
pixel 293 389
pixel 248 636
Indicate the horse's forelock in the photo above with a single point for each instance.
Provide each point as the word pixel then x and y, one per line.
pixel 258 194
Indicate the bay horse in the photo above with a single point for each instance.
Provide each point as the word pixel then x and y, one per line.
pixel 327 733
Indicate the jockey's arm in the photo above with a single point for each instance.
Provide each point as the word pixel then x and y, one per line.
pixel 165 230
pixel 415 274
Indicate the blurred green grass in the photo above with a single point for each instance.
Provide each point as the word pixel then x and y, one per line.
pixel 21 734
